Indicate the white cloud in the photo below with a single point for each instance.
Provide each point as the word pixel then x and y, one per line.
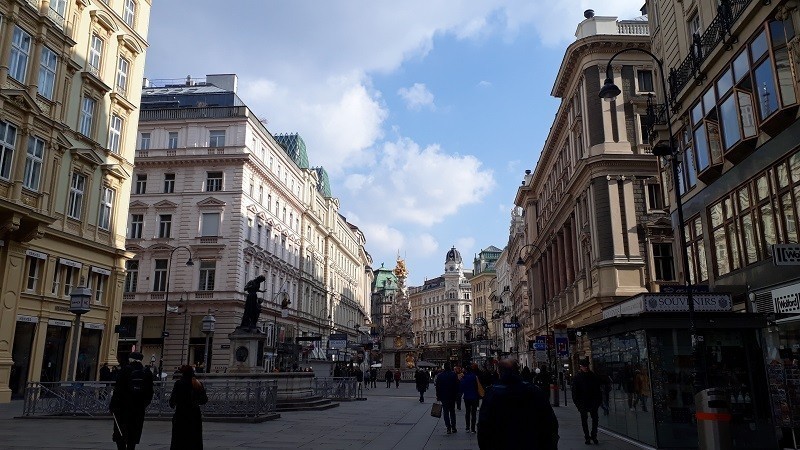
pixel 421 186
pixel 466 245
pixel 383 238
pixel 417 97
pixel 424 245
pixel 484 84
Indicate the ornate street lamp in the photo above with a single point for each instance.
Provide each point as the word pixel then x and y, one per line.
pixel 164 333
pixel 80 299
pixel 610 91
pixel 209 323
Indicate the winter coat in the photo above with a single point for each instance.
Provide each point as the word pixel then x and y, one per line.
pixel 587 391
pixel 422 379
pixel 127 409
pixel 513 412
pixel 447 386
pixel 468 386
pixel 187 422
pixel 389 375
pixel 396 375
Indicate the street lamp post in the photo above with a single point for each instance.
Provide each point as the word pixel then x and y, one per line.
pixel 209 323
pixel 610 91
pixel 164 333
pixel 550 365
pixel 80 299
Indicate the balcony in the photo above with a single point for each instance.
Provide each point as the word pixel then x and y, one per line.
pixel 55 17
pixel 633 27
pixel 227 112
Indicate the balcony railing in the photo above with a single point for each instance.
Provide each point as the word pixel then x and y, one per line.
pixel 720 27
pixel 637 28
pixel 215 112
pixel 57 18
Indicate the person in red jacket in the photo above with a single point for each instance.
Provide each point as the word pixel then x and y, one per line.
pixel 397 378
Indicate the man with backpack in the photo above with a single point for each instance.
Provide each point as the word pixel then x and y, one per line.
pixel 133 392
pixel 514 411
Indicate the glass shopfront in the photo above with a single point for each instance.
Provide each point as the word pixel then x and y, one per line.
pixel 88 354
pixel 651 395
pixel 21 354
pixel 54 351
pixel 783 376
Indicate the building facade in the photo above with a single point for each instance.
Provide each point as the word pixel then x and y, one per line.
pixel 441 313
pixel 592 203
pixel 214 185
pixel 68 125
pixel 733 89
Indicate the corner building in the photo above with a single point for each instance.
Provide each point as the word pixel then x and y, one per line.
pixel 68 117
pixel 211 182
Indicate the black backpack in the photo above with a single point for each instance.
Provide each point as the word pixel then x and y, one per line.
pixel 137 386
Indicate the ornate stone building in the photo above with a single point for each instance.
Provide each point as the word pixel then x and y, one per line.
pixel 441 311
pixel 594 196
pixel 69 107
pixel 211 182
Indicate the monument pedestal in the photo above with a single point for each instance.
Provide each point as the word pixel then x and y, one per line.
pixel 247 351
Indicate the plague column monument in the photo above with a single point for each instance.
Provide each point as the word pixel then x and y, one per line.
pixel 398 339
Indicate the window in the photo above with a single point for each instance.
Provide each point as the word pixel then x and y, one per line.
pixel 95 54
pixel 98 283
pixel 144 142
pixel 114 133
pixel 64 277
pixel 655 200
pixel 693 26
pixel 76 188
pixel 20 51
pixel 258 235
pixel 106 207
pixel 48 63
pixel 123 65
pixel 59 7
pixel 87 114
pixel 169 183
pixel 33 163
pixel 466 308
pixel 453 335
pixel 164 225
pixel 141 184
pixel 8 138
pixel 172 140
pixel 137 224
pixel 213 181
pixel 217 138
pixel 644 81
pixel 207 272
pixel 131 275
pixel 696 251
pixel 643 131
pixel 34 273
pixel 662 262
pixel 160 275
pixel 129 12
pixel 210 224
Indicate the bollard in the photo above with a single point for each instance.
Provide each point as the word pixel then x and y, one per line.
pixel 713 420
pixel 556 400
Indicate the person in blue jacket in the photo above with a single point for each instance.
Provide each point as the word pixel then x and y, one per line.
pixel 469 389
pixel 447 393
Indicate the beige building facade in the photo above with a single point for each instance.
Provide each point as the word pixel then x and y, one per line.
pixel 593 206
pixel 69 116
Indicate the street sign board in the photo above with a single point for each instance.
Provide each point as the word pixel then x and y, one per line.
pixel 511 325
pixel 338 341
pixel 786 254
pixel 364 329
pixel 541 343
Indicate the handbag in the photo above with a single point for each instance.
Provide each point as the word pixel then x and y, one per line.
pixel 481 391
pixel 436 409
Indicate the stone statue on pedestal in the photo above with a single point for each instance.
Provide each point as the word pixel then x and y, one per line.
pixel 252 305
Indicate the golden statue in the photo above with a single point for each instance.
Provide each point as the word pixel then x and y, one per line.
pixel 400 270
pixel 410 362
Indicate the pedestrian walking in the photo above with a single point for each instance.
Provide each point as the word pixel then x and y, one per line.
pixel 468 386
pixel 359 374
pixel 397 378
pixel 447 393
pixel 132 393
pixel 366 379
pixel 459 374
pixel 587 395
pixel 105 373
pixel 389 378
pixel 527 375
pixel 373 376
pixel 641 385
pixel 187 422
pixel 514 411
pixel 422 379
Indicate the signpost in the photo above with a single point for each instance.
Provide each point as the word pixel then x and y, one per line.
pixel 511 325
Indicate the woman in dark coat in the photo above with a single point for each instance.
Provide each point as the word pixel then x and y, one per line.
pixel 187 422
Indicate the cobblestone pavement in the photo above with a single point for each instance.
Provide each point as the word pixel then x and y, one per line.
pixel 389 418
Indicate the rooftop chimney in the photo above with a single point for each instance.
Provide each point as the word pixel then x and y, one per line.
pixel 589 13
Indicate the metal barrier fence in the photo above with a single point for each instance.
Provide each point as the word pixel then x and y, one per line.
pixel 226 398
pixel 338 388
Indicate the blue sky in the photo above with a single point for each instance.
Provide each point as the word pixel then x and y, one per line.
pixel 425 113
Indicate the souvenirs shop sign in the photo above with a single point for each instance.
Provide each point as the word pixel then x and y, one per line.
pixel 647 303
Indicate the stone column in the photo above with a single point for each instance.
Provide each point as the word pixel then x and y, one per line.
pixel 615 213
pixel 12 267
pixel 629 209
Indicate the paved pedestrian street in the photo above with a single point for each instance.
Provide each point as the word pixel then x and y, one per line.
pixel 389 418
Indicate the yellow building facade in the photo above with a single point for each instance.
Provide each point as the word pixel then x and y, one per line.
pixel 69 96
